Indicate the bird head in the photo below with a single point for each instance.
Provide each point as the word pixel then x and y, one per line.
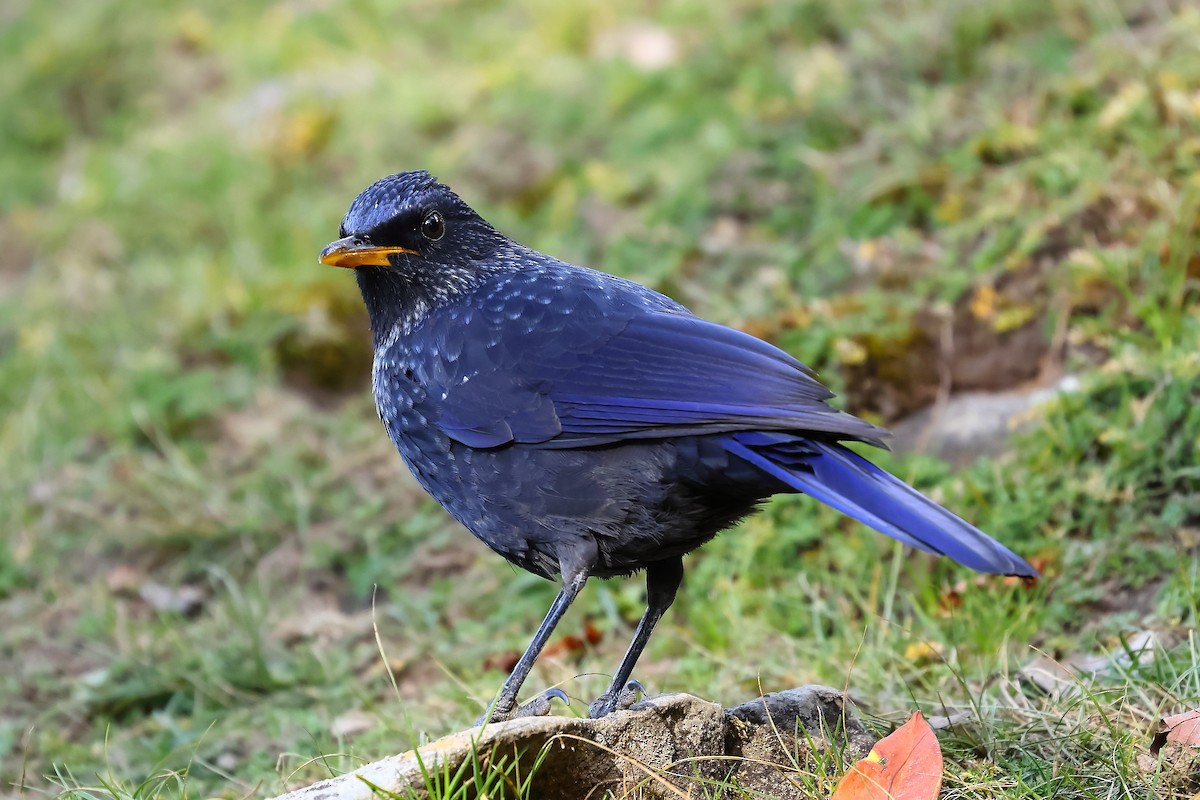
pixel 414 245
pixel 403 220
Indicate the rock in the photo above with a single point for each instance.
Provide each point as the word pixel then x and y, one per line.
pixel 771 736
pixel 973 424
pixel 661 746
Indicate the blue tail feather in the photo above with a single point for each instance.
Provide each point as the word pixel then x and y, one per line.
pixel 848 482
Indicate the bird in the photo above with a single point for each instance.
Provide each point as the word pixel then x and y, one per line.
pixel 585 426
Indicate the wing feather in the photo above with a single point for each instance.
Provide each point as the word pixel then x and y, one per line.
pixel 607 367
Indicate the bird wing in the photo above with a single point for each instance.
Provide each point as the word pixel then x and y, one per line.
pixel 668 375
pixel 598 364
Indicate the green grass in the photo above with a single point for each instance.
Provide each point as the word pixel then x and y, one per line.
pixel 184 391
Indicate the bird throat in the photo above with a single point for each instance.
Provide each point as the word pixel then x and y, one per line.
pixel 401 299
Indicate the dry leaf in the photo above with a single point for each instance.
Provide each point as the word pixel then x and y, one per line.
pixel 1181 729
pixel 572 645
pixel 505 661
pixel 907 765
pixel 1184 728
pixel 184 600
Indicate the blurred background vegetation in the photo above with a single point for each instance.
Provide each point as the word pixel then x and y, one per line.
pixel 204 526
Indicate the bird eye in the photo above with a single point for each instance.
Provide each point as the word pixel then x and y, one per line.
pixel 433 227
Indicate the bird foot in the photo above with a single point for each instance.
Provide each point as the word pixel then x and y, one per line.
pixel 537 707
pixel 625 699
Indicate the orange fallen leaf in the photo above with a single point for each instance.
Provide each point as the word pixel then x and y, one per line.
pixel 906 765
pixel 592 633
pixel 566 645
pixel 503 662
pixel 572 645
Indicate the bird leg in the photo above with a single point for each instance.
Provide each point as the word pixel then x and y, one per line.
pixel 662 581
pixel 505 705
pixel 631 693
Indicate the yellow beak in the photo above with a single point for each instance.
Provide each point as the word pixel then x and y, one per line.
pixel 353 253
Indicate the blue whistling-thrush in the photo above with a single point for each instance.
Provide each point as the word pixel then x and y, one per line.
pixel 582 425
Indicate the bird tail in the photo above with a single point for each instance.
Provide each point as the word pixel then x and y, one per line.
pixel 848 482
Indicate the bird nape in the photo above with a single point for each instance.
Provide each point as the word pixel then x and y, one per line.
pixel 582 425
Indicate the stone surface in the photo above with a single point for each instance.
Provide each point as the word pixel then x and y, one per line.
pixel 973 424
pixel 771 737
pixel 678 738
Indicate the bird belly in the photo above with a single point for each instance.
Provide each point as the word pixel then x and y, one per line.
pixel 637 503
pixel 631 503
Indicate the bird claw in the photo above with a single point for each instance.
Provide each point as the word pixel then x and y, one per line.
pixel 625 699
pixel 540 705
pixel 537 707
